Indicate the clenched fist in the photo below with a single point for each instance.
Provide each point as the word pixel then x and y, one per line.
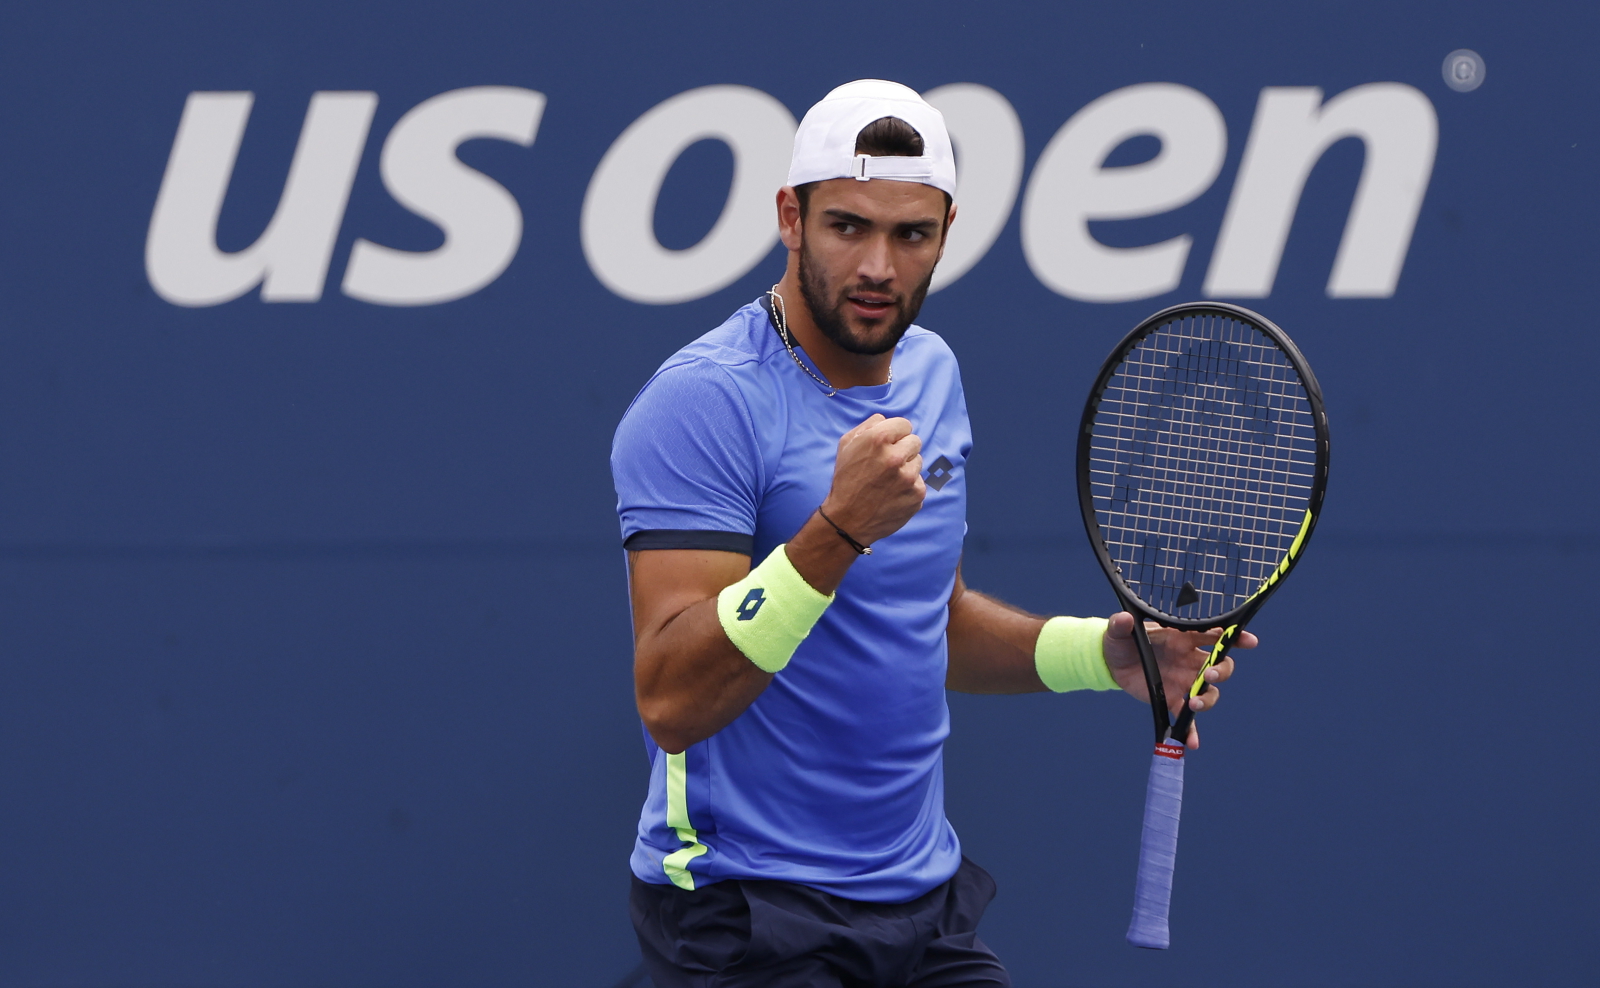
pixel 877 479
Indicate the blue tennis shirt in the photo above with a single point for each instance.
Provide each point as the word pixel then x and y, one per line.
pixel 833 777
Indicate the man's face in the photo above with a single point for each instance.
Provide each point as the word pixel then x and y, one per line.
pixel 867 253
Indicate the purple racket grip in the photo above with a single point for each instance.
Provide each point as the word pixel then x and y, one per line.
pixel 1158 848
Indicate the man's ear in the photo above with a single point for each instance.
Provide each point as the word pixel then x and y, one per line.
pixel 790 219
pixel 944 237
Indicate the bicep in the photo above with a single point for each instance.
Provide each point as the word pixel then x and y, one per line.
pixel 663 583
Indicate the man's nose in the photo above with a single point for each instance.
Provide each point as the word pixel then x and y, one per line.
pixel 876 263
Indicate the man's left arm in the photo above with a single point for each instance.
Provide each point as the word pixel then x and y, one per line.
pixel 995 648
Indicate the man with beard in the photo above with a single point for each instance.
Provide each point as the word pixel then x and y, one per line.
pixel 794 832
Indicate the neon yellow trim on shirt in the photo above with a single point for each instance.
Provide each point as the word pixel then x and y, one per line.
pixel 676 864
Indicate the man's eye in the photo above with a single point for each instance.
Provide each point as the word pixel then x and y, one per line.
pixel 845 228
pixel 916 236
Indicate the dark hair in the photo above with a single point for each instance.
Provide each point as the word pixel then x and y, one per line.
pixel 885 137
pixel 889 137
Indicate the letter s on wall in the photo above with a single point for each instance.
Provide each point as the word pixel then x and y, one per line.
pixel 482 222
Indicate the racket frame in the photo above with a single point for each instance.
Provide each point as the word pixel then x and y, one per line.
pixel 1233 622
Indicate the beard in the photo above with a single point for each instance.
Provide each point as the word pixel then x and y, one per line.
pixel 827 305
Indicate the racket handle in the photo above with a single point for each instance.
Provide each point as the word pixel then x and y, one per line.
pixel 1158 848
pixel 1185 721
pixel 1180 729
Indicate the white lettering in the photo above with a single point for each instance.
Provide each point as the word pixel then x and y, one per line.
pixel 290 258
pixel 1069 187
pixel 617 226
pixel 988 142
pixel 1292 129
pixel 481 221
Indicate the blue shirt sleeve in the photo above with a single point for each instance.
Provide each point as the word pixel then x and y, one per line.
pixel 685 457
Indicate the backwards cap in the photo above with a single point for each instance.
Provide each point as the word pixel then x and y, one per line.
pixel 825 144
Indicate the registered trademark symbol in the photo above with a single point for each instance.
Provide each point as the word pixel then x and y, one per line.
pixel 1463 70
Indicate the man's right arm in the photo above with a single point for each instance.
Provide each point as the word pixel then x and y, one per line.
pixel 690 680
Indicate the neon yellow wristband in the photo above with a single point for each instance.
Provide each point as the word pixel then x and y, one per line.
pixel 770 612
pixel 1069 655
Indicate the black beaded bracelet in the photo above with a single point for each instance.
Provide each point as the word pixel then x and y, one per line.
pixel 861 550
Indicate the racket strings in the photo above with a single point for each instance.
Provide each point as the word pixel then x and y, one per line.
pixel 1202 463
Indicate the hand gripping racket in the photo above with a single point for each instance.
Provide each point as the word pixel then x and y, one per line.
pixel 1202 460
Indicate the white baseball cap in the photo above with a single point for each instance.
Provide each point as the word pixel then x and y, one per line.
pixel 825 144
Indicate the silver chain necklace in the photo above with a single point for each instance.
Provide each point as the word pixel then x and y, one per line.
pixel 782 322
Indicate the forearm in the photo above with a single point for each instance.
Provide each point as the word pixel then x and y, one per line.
pixel 819 555
pixel 690 681
pixel 991 645
pixel 690 678
pixel 997 648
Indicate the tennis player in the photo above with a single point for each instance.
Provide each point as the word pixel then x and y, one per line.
pixel 792 490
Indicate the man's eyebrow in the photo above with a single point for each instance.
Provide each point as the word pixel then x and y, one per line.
pixel 859 220
pixel 848 217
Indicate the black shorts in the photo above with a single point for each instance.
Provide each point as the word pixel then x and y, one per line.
pixel 781 935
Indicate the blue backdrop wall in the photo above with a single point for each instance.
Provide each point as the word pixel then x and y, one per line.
pixel 315 662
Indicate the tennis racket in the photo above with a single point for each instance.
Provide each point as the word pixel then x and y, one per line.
pixel 1202 461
